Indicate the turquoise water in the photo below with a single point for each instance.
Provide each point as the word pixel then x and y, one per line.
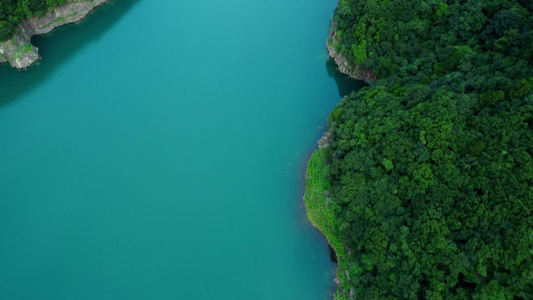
pixel 158 152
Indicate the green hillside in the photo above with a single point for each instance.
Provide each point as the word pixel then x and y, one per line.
pixel 430 166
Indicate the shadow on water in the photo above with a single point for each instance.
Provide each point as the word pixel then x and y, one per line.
pixel 58 47
pixel 345 84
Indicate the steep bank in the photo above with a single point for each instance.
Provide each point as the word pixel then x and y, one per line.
pixel 19 51
pixel 353 70
pixel 320 213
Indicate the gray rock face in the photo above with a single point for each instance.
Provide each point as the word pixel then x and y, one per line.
pixel 19 51
pixel 354 71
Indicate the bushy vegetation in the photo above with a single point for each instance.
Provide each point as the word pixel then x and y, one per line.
pixel 320 211
pixel 12 12
pixel 430 166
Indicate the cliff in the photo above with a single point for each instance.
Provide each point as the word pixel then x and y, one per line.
pixel 345 67
pixel 19 51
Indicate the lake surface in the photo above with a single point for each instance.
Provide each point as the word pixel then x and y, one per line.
pixel 158 151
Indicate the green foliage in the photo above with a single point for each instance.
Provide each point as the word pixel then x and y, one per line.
pixel 442 11
pixel 321 212
pixel 430 168
pixel 359 52
pixel 53 3
pixel 25 4
pixel 6 30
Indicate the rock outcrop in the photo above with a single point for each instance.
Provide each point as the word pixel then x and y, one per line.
pixel 19 51
pixel 354 71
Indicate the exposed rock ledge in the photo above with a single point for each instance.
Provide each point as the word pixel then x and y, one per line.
pixel 343 65
pixel 19 51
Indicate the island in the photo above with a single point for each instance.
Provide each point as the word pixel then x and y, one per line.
pixel 34 18
pixel 422 183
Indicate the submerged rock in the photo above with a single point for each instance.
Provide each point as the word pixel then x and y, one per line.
pixel 19 51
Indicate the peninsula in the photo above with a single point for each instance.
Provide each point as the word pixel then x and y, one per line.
pixel 422 182
pixel 18 50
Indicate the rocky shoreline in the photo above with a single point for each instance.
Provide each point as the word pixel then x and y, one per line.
pixel 19 51
pixel 355 71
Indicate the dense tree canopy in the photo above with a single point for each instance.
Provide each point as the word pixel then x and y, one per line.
pixel 12 12
pixel 431 166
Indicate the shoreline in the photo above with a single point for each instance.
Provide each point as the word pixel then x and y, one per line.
pixel 316 190
pixel 20 53
pixel 321 215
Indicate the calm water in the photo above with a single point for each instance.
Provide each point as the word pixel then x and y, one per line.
pixel 158 152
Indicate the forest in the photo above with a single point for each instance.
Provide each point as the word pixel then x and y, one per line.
pixel 12 12
pixel 429 167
